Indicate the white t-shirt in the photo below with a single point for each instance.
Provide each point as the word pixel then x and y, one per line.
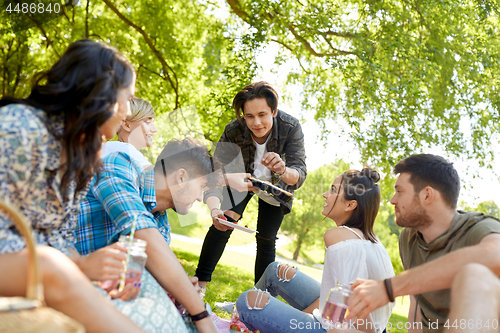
pixel 113 146
pixel 356 258
pixel 263 173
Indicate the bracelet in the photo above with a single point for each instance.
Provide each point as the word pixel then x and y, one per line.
pixel 199 316
pixel 282 173
pixel 211 210
pixel 388 289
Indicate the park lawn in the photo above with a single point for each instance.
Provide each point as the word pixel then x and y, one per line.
pixel 197 222
pixel 234 275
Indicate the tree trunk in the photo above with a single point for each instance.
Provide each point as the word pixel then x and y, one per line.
pixel 297 249
pixel 300 239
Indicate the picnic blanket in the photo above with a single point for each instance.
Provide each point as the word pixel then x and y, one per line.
pixel 222 324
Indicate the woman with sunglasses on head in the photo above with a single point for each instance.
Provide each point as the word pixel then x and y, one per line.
pixel 352 251
pixel 49 150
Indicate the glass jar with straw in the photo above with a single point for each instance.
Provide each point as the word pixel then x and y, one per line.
pixel 136 250
pixel 136 257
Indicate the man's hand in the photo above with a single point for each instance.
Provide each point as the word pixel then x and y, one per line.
pixel 273 162
pixel 194 281
pixel 220 214
pixel 240 182
pixel 367 295
pixel 206 325
pixel 104 264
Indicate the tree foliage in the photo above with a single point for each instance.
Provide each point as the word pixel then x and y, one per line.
pixel 184 56
pixel 405 74
pixel 487 207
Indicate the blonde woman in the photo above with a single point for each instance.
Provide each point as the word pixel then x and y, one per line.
pixel 135 133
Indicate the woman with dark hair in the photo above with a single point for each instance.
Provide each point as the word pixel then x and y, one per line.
pixel 271 144
pixel 49 150
pixel 352 251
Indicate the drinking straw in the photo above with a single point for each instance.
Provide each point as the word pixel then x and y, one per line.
pixel 130 242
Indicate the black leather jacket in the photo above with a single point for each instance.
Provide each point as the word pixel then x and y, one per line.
pixel 286 139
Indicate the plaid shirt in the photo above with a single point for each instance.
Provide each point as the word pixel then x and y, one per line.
pixel 123 190
pixel 287 140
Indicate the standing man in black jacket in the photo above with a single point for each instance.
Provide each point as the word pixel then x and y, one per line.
pixel 271 144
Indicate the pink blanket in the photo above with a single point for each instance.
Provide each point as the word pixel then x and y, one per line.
pixel 221 324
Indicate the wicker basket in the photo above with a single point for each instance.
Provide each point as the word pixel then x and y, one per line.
pixel 30 314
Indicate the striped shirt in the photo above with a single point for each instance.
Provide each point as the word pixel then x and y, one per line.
pixel 123 191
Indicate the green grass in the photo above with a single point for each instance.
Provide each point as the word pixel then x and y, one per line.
pixel 396 320
pixel 228 282
pixel 234 275
pixel 198 220
pixel 308 256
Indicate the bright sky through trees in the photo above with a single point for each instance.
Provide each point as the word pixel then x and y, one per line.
pixel 340 147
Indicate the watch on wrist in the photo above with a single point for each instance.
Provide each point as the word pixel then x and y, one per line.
pixel 199 316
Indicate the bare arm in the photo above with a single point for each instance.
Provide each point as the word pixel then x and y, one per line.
pixel 439 274
pixel 414 316
pixel 291 176
pixel 166 269
pixel 369 295
pixel 213 204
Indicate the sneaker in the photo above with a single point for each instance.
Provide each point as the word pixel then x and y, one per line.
pixel 225 306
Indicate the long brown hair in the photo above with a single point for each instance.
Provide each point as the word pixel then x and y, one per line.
pixel 82 86
pixel 362 186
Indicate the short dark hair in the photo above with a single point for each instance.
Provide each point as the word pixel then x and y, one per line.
pixel 252 91
pixel 434 171
pixel 362 186
pixel 189 154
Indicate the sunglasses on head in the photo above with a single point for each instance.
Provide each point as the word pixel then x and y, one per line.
pixel 349 174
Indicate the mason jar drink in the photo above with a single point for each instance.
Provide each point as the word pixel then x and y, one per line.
pixel 137 259
pixel 335 309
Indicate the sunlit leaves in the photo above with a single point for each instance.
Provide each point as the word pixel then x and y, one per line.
pixel 405 75
pixel 183 55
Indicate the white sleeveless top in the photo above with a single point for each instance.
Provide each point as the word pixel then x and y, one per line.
pixel 356 258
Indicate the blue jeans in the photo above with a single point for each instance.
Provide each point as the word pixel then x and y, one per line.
pixel 300 291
